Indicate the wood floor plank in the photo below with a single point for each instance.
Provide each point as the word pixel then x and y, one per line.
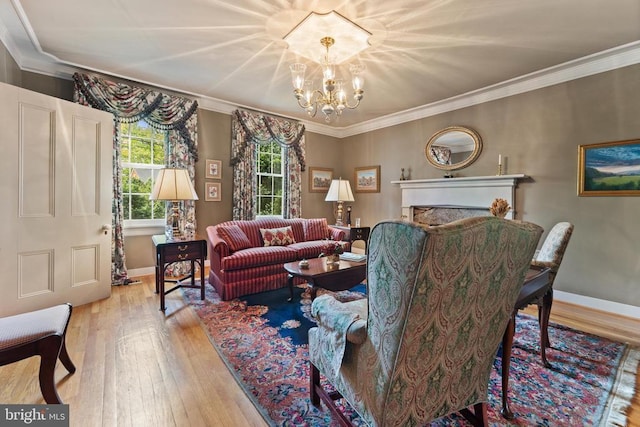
pixel 138 367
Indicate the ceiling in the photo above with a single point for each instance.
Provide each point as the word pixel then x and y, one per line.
pixel 426 56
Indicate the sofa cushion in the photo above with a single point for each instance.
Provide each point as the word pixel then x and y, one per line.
pixel 234 236
pixel 256 257
pixel 277 236
pixel 316 229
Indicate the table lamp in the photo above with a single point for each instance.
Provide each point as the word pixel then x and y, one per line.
pixel 339 191
pixel 174 185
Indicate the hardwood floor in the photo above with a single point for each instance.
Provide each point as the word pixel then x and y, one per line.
pixel 139 367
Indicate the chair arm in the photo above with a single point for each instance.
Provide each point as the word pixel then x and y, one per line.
pixel 349 318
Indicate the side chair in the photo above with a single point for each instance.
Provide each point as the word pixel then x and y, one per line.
pixel 550 256
pixel 422 344
pixel 38 333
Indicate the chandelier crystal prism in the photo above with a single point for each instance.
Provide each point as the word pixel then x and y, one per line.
pixel 331 97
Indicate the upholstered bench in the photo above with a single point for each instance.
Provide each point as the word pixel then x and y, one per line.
pixel 38 333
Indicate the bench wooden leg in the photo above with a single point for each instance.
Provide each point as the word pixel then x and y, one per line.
pixel 49 348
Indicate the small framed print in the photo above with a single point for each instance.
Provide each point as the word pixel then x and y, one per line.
pixel 320 179
pixel 212 192
pixel 214 169
pixel 368 179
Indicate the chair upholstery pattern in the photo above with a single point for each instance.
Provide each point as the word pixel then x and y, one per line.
pixel 554 247
pixel 439 300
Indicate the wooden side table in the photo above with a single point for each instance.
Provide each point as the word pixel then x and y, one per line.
pixel 352 234
pixel 168 253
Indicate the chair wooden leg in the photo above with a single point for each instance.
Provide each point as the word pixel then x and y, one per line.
pixel 478 417
pixel 314 376
pixel 317 393
pixel 545 312
pixel 507 343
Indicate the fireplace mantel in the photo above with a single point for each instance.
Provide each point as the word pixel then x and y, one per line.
pixel 465 192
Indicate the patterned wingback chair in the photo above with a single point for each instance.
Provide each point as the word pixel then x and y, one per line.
pixel 550 255
pixel 422 344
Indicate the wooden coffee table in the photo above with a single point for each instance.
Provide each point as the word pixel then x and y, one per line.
pixel 342 277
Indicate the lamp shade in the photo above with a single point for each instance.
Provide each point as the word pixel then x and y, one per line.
pixel 339 191
pixel 173 184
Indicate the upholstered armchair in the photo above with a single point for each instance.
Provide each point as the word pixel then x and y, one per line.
pixel 550 255
pixel 422 345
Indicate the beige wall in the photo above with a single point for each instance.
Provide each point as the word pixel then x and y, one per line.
pixel 537 134
pixel 9 70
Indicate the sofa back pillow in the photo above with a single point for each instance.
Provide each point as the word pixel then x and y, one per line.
pixel 316 229
pixel 235 237
pixel 277 236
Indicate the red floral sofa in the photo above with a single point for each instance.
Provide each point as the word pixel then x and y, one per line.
pixel 247 257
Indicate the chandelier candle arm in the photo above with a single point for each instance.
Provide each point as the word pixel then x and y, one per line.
pixel 332 99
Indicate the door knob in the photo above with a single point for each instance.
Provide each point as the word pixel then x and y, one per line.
pixel 106 228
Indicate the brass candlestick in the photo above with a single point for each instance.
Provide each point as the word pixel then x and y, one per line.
pixel 499 169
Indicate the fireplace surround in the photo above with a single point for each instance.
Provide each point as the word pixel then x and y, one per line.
pixel 441 200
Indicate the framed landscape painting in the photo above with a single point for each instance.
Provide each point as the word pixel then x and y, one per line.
pixel 609 169
pixel 320 179
pixel 368 179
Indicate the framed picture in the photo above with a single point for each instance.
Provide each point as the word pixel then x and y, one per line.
pixel 367 179
pixel 212 192
pixel 609 169
pixel 320 179
pixel 214 169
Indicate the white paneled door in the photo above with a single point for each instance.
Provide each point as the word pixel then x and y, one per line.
pixel 55 190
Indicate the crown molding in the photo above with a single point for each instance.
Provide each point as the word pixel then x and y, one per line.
pixel 618 57
pixel 600 62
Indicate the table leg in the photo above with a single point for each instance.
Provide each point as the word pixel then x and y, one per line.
pixel 290 284
pixel 202 279
pixel 162 306
pixel 507 342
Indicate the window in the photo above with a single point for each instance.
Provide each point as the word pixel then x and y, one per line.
pixel 270 178
pixel 142 149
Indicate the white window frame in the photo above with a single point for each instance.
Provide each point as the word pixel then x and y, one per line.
pixel 280 175
pixel 138 227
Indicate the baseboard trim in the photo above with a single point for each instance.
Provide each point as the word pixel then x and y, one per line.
pixel 616 308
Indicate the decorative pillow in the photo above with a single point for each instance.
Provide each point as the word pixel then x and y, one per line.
pixel 277 236
pixel 235 237
pixel 316 229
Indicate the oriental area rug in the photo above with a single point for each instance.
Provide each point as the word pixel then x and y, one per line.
pixel 263 340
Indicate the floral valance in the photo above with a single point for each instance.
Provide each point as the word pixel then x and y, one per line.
pixel 130 104
pixel 262 128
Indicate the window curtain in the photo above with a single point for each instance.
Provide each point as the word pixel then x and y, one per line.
pixel 130 104
pixel 250 129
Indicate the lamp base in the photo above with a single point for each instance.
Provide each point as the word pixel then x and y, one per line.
pixel 339 215
pixel 173 231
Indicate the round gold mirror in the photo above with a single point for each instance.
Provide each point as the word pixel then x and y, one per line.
pixel 453 148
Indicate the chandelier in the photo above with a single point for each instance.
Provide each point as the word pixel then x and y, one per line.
pixel 331 99
pixel 331 96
